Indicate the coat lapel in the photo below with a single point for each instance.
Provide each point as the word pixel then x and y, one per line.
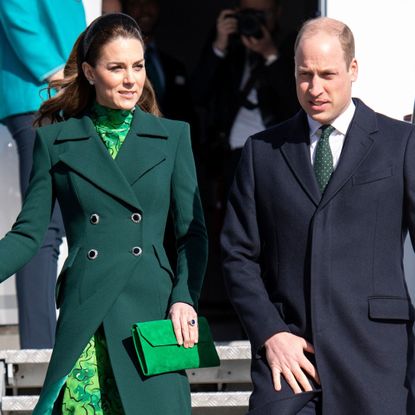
pixel 141 150
pixel 86 154
pixel 357 145
pixel 297 154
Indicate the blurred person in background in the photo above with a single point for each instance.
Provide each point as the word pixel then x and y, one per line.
pixel 111 6
pixel 243 83
pixel 167 74
pixel 35 40
pixel 245 79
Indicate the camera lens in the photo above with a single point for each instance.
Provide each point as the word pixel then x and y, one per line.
pixel 250 22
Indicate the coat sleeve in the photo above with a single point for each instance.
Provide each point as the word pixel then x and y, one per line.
pixel 25 29
pixel 241 250
pixel 27 234
pixel 189 225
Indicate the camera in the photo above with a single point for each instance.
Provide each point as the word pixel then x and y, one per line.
pixel 249 22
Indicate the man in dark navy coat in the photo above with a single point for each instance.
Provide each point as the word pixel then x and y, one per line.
pixel 313 245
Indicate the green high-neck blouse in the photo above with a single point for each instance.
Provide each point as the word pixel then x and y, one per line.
pixel 112 126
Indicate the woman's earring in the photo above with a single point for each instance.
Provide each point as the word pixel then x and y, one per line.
pixel 91 82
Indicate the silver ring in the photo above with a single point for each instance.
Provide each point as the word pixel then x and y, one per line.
pixel 192 322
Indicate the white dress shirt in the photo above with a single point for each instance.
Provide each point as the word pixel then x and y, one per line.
pixel 336 139
pixel 247 121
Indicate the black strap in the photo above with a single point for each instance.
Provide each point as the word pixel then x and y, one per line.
pixel 249 84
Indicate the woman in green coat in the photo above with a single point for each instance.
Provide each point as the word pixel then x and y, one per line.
pixel 117 170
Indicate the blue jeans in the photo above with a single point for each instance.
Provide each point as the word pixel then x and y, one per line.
pixel 35 282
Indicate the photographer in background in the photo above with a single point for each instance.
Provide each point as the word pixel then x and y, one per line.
pixel 245 81
pixel 167 74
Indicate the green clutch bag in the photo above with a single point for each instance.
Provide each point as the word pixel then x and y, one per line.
pixel 158 351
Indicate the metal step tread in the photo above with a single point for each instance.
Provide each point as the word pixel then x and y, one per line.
pixel 18 403
pixel 199 400
pixel 235 350
pixel 26 356
pixel 220 399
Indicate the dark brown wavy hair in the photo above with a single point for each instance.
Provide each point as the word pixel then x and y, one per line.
pixel 74 94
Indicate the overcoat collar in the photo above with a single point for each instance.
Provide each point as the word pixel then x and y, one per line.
pixel 86 154
pixel 358 142
pixel 296 151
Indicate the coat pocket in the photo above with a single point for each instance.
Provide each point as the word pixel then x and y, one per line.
pixel 67 264
pixel 390 308
pixel 163 260
pixel 372 176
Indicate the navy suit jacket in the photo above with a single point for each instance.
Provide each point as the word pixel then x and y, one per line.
pixel 326 267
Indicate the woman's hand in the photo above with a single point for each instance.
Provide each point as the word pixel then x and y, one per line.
pixel 184 318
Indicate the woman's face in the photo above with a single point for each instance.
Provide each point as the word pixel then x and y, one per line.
pixel 119 73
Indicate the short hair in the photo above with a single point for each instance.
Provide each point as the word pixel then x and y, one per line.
pixel 332 27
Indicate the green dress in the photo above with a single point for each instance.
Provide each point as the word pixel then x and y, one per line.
pixel 90 388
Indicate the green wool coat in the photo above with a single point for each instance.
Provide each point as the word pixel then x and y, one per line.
pixel 129 279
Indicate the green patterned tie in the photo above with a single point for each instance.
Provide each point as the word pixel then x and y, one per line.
pixel 323 161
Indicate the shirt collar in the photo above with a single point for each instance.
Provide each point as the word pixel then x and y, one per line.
pixel 341 123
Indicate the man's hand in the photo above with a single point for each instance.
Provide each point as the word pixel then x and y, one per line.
pixel 225 26
pixel 263 46
pixel 285 356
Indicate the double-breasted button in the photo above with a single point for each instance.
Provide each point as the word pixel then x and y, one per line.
pixel 94 218
pixel 92 254
pixel 136 251
pixel 136 217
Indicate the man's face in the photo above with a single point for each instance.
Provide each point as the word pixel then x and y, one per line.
pixel 324 82
pixel 267 6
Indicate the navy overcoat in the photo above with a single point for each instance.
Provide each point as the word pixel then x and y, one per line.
pixel 327 267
